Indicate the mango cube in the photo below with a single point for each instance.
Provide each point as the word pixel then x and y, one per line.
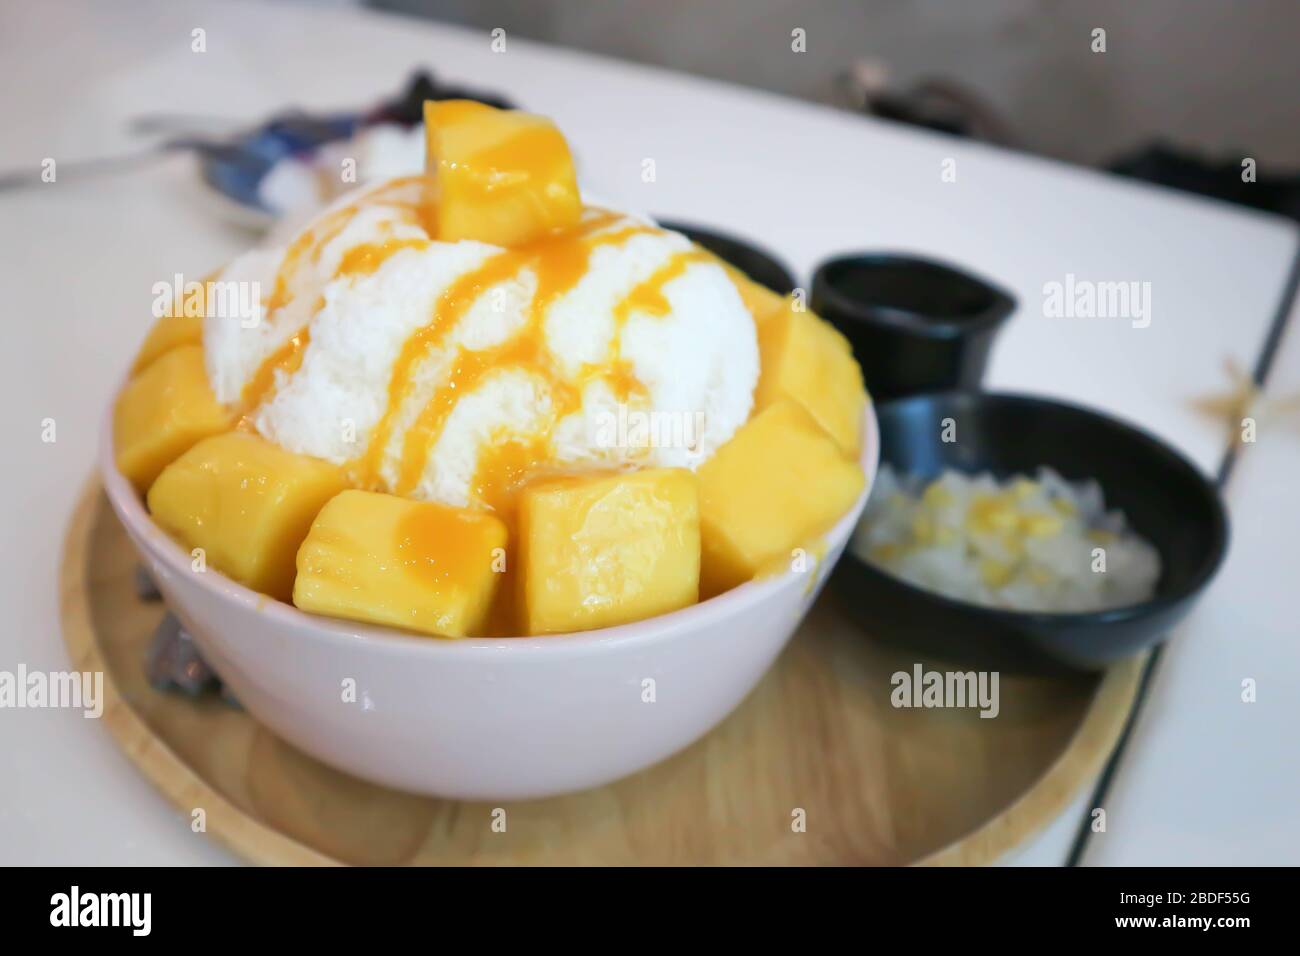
pixel 162 412
pixel 504 177
pixel 596 551
pixel 247 503
pixel 413 564
pixel 182 325
pixel 169 332
pixel 806 360
pixel 778 483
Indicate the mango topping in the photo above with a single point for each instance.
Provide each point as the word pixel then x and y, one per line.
pixel 780 482
pixel 418 565
pixel 605 550
pixel 807 361
pixel 504 177
pixel 162 412
pixel 247 503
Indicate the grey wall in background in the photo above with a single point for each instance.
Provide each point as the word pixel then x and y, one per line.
pixel 1220 76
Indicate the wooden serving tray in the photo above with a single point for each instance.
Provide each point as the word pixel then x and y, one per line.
pixel 877 785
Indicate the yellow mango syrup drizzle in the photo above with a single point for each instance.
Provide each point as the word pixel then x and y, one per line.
pixel 306 248
pixel 557 262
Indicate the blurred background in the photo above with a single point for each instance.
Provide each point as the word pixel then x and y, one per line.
pixel 1178 92
pixel 1208 75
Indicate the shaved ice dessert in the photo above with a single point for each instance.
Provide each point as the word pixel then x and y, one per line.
pixel 470 403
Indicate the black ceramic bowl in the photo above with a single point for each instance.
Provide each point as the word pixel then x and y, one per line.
pixel 1165 498
pixel 759 264
pixel 916 325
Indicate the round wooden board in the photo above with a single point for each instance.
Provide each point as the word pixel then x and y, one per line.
pixel 876 784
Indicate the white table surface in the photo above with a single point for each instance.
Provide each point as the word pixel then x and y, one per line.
pixel 1207 779
pixel 1210 777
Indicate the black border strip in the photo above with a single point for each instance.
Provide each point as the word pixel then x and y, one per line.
pixel 1263 366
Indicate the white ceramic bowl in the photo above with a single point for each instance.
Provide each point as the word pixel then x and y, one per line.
pixel 478 718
